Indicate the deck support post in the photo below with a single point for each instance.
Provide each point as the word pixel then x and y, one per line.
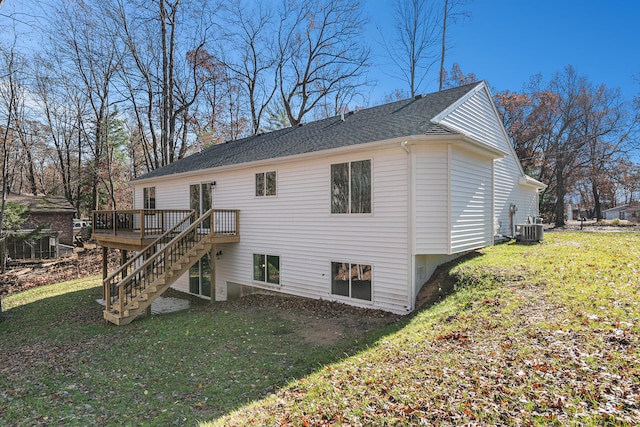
pixel 212 286
pixel 105 257
pixel 123 260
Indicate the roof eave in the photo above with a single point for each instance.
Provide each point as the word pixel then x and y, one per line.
pixel 274 160
pixel 531 182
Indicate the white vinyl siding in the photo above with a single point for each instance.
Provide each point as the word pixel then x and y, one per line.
pixel 431 199
pixel 477 118
pixel 453 200
pixel 446 193
pixel 508 191
pixel 471 201
pixel 299 227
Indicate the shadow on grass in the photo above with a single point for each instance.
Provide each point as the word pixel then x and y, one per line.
pixel 60 362
pixel 41 311
pixel 441 284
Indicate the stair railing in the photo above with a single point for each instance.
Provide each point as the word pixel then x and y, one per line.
pixel 156 264
pixel 111 282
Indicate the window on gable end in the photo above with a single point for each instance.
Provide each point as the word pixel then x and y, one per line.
pixel 266 184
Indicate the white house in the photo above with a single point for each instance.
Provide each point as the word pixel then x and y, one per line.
pixel 359 208
pixel 624 212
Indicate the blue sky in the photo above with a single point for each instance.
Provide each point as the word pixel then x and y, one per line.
pixel 507 41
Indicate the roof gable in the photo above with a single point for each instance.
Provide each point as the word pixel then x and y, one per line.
pixel 475 114
pixel 408 117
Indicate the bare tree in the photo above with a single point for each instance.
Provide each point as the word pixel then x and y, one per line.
pixel 89 52
pixel 9 100
pixel 412 50
pixel 604 124
pixel 568 132
pixel 449 14
pixel 160 81
pixel 253 57
pixel 627 178
pixel 14 93
pixel 218 114
pixel 319 53
pixel 63 106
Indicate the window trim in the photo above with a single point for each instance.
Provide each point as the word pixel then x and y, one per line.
pixel 265 273
pixel 265 185
pixel 147 199
pixel 350 297
pixel 349 192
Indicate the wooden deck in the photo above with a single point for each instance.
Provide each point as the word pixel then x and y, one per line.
pixel 136 229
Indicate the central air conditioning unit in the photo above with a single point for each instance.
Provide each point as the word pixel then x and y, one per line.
pixel 529 233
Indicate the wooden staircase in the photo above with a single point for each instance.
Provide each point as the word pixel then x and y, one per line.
pixel 131 289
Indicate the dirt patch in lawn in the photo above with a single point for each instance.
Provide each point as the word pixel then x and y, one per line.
pixel 316 321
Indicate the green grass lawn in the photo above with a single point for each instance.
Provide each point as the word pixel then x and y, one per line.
pixel 542 334
pixel 61 364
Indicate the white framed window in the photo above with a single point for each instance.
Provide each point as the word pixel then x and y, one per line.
pixel 266 268
pixel 149 197
pixel 351 187
pixel 266 184
pixel 351 280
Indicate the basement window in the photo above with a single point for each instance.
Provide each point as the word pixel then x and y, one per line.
pixel 266 268
pixel 351 280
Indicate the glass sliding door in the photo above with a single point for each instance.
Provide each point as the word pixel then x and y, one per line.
pixel 200 277
pixel 201 200
pixel 200 197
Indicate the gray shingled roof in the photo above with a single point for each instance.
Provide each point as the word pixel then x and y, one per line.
pixel 42 204
pixel 402 118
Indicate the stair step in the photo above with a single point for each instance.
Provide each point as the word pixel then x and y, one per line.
pixel 115 317
pixel 141 298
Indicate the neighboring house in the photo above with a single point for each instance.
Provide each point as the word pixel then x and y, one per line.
pixel 633 213
pixel 359 208
pixel 47 212
pixel 625 212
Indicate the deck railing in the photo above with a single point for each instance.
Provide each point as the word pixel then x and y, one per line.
pixel 149 264
pixel 133 264
pixel 140 223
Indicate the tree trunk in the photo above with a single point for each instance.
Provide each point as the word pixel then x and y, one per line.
pixel 596 201
pixel 31 175
pixel 444 42
pixel 560 193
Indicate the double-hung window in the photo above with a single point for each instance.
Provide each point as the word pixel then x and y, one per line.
pixel 351 187
pixel 266 184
